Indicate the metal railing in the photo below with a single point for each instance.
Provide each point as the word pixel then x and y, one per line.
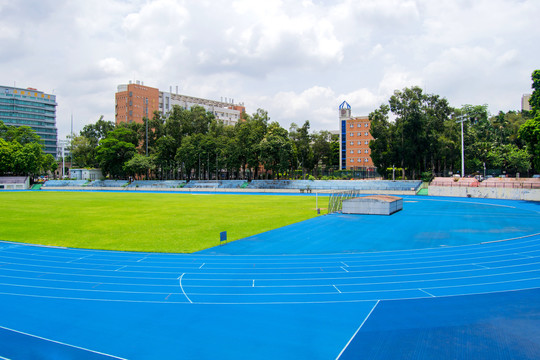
pixel 335 201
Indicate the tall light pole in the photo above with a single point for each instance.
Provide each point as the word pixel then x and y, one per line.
pixel 461 119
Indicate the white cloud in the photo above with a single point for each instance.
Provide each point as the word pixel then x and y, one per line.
pixel 297 59
pixel 111 66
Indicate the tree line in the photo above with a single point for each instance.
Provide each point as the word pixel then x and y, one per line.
pixel 417 133
pixel 420 134
pixel 21 152
pixel 192 143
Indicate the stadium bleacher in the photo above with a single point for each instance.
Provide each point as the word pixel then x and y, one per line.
pixel 212 184
pixel 157 184
pixel 108 183
pixel 376 185
pixel 301 185
pixel 455 182
pixel 65 183
pixel 519 183
pixel 500 182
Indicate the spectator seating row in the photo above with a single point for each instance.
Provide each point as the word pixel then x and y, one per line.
pixel 157 184
pixel 519 183
pixel 221 184
pixel 455 182
pixel 401 185
pixel 107 183
pixel 64 183
pixel 501 182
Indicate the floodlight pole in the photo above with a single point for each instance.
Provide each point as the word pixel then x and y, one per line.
pixel 462 150
pixel 63 162
pixel 461 119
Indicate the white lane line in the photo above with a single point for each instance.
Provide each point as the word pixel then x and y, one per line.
pixel 362 324
pixel 345 264
pixel 84 257
pixel 336 288
pixel 253 285
pixel 345 269
pixel 61 343
pixel 202 265
pixel 125 266
pixel 424 291
pixel 182 288
pixel 261 302
pixel 516 238
pixel 141 259
pixel 481 266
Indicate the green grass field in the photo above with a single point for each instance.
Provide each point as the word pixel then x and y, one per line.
pixel 150 222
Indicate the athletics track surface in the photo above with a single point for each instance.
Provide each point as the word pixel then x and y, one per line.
pixel 479 300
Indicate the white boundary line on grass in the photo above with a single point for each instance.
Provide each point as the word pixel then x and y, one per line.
pixel 354 335
pixel 61 343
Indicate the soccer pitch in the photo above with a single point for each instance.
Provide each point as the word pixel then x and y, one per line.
pixel 146 222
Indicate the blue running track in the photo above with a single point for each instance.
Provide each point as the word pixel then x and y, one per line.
pixel 438 300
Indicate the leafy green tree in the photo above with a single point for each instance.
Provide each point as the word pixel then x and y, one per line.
pixel 188 154
pixel 383 152
pixel 322 149
pixel 139 165
pixel 276 149
pixel 49 164
pixel 20 134
pixel 28 159
pixel 21 152
pixel 165 151
pixel 301 140
pixel 112 152
pixel 250 133
pixel 6 157
pixel 95 132
pixel 83 152
pixel 535 97
pixel 530 134
pixel 510 158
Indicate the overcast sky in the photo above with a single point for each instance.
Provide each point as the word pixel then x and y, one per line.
pixel 296 59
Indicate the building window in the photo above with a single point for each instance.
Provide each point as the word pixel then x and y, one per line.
pixel 366 142
pixel 366 160
pixel 359 160
pixel 367 151
pixel 352 134
pixel 366 133
pixel 352 143
pixel 366 125
pixel 352 160
pixel 359 143
pixel 352 125
pixel 359 134
pixel 352 151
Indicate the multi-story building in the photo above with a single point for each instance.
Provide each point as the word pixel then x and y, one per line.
pixel 32 108
pixel 136 101
pixel 354 138
pixel 525 106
